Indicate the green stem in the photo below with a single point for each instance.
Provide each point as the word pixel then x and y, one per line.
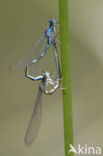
pixel 66 75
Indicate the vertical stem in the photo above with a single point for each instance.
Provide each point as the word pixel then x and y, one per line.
pixel 66 75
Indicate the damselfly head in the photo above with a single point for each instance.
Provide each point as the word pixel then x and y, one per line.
pixel 46 74
pixel 52 22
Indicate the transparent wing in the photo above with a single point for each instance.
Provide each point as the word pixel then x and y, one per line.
pixel 57 27
pixel 33 53
pixel 34 124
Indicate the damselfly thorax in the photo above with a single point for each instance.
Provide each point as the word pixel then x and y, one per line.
pixel 48 85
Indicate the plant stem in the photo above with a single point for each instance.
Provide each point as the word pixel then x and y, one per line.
pixel 66 75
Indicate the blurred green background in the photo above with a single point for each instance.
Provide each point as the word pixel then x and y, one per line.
pixel 21 24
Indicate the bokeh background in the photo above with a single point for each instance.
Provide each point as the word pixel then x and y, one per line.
pixel 21 24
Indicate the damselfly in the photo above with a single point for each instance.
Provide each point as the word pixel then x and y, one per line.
pixel 48 84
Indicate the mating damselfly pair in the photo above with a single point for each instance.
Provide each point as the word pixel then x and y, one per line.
pixel 48 84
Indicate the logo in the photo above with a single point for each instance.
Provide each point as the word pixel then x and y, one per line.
pixel 85 149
